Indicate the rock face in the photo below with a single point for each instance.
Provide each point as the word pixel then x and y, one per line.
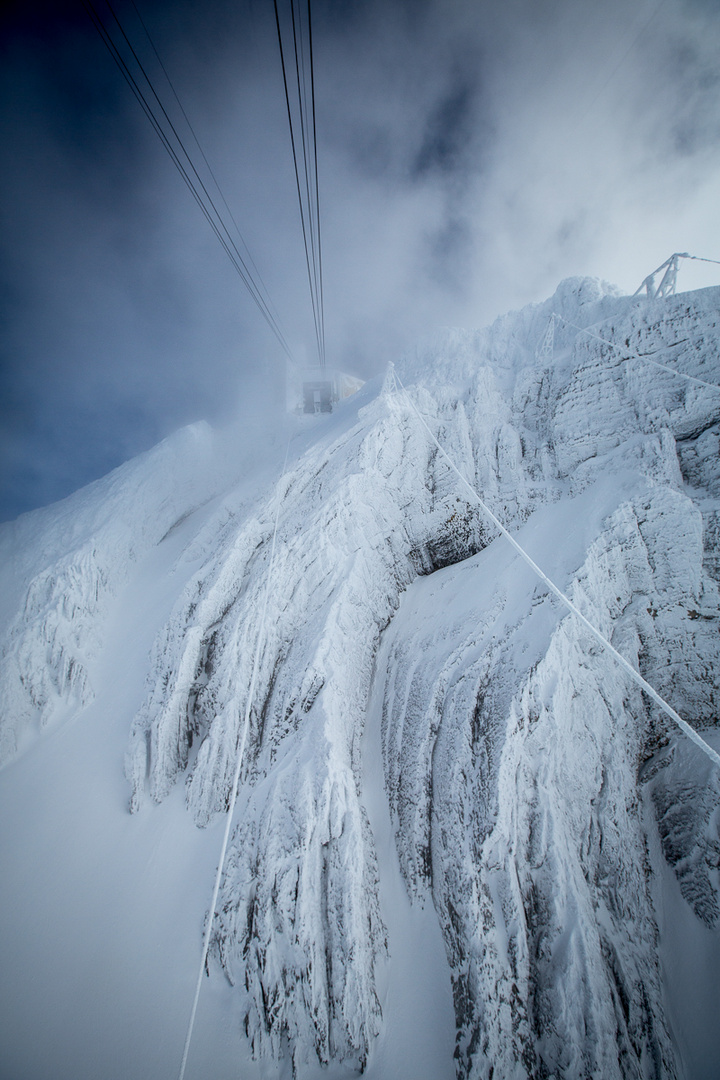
pixel 60 568
pixel 525 772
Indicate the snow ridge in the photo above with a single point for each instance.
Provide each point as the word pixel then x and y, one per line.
pixel 302 871
pixel 70 560
pixel 541 882
pixel 517 756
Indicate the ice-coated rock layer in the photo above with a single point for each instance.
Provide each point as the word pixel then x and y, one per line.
pixel 525 772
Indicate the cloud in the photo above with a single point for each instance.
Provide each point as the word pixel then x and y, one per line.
pixel 471 155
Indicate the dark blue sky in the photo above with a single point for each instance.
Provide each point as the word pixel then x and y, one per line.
pixel 470 154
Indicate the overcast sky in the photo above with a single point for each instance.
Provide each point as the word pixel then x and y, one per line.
pixel 471 155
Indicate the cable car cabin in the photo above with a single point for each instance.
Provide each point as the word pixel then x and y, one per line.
pixel 318 390
pixel 318 395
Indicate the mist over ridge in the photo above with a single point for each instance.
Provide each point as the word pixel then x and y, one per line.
pixel 470 156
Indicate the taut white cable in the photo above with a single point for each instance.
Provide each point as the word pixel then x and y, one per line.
pixel 236 782
pixel 682 724
pixel 638 356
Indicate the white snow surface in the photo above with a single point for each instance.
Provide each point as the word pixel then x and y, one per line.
pixel 465 843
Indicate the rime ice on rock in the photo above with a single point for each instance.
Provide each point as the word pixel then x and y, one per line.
pixel 517 757
pixel 67 562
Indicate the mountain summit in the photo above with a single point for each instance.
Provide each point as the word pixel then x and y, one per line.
pixel 466 842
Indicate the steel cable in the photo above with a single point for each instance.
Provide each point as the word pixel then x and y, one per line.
pixel 202 197
pixel 209 167
pixel 305 140
pixel 564 599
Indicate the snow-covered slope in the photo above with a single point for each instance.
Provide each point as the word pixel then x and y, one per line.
pixel 431 732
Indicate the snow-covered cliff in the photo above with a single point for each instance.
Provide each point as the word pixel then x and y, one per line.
pixel 537 800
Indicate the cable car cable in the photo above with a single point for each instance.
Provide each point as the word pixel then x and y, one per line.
pixel 306 215
pixel 564 599
pixel 317 183
pixel 311 172
pixel 301 79
pixel 248 254
pixel 228 244
pixel 256 294
pixel 297 180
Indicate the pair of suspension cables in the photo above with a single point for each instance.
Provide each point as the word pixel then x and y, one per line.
pixel 183 147
pixel 296 28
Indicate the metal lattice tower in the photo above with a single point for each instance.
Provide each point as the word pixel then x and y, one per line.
pixel 545 350
pixel 668 280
